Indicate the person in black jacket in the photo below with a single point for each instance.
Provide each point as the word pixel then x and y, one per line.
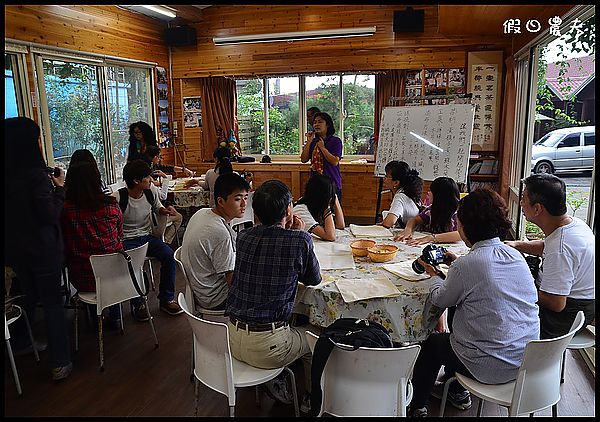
pixel 33 202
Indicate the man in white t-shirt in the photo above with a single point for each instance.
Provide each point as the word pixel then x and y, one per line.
pixel 137 202
pixel 566 277
pixel 208 250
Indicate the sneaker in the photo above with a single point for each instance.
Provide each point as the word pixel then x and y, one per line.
pixel 277 389
pixel 305 405
pixel 420 412
pixel 40 347
pixel 461 399
pixel 62 372
pixel 140 313
pixel 171 307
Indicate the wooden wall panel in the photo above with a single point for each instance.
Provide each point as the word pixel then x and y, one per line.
pixel 384 50
pixel 94 29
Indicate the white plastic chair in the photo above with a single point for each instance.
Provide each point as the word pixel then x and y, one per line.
pixel 368 381
pixel 581 340
pixel 215 367
pixel 537 386
pixel 158 231
pixel 20 312
pixel 113 285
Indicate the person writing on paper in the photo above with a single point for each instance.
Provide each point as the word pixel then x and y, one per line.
pixel 496 312
pixel 406 186
pixel 566 279
pixel 324 150
pixel 439 218
pixel 319 208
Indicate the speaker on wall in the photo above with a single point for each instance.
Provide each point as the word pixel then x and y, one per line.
pixel 180 35
pixel 409 20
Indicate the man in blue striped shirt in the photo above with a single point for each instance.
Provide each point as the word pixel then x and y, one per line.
pixel 271 258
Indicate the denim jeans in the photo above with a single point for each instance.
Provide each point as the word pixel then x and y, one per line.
pixel 161 251
pixel 43 285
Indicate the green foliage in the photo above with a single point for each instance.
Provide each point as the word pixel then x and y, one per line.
pixel 532 231
pixel 577 40
pixel 284 128
pixel 577 199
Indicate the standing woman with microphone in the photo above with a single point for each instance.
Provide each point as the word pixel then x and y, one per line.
pixel 33 241
pixel 324 150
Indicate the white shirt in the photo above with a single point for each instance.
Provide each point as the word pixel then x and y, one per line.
pixel 403 207
pixel 568 261
pixel 301 210
pixel 137 219
pixel 496 311
pixel 207 253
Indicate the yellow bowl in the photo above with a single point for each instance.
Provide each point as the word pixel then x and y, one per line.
pixel 382 253
pixel 359 247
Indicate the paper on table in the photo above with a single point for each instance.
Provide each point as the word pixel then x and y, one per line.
pixel 333 256
pixel 405 271
pixel 353 289
pixel 370 231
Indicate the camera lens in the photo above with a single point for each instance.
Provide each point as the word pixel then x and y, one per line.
pixel 418 268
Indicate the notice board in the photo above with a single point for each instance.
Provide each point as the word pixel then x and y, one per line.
pixel 433 139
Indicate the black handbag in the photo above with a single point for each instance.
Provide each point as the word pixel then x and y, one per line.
pixel 133 277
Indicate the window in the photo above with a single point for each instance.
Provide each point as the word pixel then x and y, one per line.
pixel 570 141
pixel 128 102
pixel 15 92
pixel 348 99
pixel 251 115
pixel 590 139
pixel 284 129
pixel 89 104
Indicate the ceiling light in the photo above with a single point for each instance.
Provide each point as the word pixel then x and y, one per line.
pixel 161 10
pixel 296 36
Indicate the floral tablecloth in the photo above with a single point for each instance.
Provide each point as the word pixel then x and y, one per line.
pixel 194 196
pixel 409 317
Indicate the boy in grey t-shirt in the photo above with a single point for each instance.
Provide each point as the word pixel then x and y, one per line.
pixel 208 250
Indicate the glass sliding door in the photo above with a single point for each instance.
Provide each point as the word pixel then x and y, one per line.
pixel 72 110
pixel 15 92
pixel 129 101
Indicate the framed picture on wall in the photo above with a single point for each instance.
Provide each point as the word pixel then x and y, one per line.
pixel 192 112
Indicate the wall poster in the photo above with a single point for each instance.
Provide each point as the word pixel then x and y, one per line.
pixel 192 112
pixel 164 133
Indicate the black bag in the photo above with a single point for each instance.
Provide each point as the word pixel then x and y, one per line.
pixel 353 332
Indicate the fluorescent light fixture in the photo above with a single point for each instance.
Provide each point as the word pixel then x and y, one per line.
pixel 161 10
pixel 420 138
pixel 297 36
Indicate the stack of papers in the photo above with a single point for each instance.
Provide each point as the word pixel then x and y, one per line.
pixel 404 270
pixel 370 231
pixel 353 289
pixel 334 256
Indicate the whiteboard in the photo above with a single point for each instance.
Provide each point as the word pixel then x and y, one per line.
pixel 433 139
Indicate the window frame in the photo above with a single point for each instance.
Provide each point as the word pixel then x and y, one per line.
pixel 302 119
pixel 20 77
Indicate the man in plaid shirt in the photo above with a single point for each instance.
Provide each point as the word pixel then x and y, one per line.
pixel 271 258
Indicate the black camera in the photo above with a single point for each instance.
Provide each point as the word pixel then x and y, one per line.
pixel 432 255
pixel 53 171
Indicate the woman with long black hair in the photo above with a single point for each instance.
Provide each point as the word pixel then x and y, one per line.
pixel 319 208
pixel 439 218
pixel 33 242
pixel 406 186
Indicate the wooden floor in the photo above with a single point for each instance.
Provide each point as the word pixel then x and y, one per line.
pixel 142 381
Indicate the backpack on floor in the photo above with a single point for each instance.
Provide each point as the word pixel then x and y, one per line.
pixel 353 332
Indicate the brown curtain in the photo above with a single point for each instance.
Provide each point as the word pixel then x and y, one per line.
pixel 507 126
pixel 219 111
pixel 390 84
